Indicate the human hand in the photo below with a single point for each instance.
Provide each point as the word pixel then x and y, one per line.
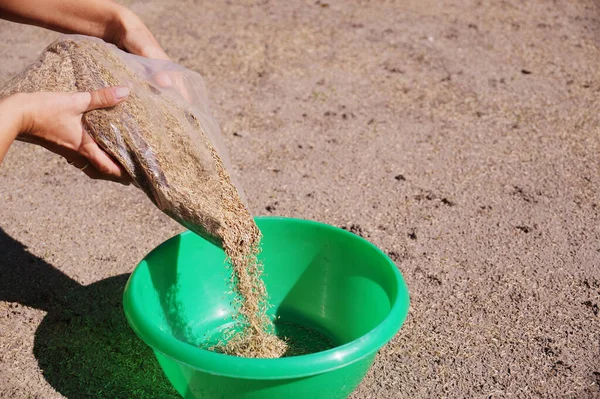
pixel 54 121
pixel 107 20
pixel 133 36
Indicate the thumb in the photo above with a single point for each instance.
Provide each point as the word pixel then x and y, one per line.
pixel 104 98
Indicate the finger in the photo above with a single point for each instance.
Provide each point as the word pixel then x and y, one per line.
pixel 102 162
pixel 154 51
pixel 163 79
pixel 140 41
pixel 173 80
pixel 95 174
pixel 103 98
pixel 83 164
pixel 77 161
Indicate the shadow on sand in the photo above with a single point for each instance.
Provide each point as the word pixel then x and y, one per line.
pixel 84 346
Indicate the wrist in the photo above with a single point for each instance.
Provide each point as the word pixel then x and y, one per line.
pixel 16 117
pixel 20 108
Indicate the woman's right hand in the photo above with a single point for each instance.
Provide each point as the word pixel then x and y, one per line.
pixel 132 35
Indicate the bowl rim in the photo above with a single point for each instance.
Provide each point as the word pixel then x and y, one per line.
pixel 271 369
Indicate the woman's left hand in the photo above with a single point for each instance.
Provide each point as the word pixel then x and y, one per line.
pixel 53 120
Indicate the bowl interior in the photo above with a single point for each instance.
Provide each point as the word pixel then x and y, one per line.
pixel 329 288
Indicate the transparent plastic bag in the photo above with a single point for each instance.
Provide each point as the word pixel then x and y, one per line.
pixel 163 135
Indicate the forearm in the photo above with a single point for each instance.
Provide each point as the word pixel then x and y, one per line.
pixel 11 122
pixel 88 17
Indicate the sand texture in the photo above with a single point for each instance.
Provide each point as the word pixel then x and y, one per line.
pixel 461 137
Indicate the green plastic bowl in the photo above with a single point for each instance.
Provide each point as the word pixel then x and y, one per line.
pixel 321 279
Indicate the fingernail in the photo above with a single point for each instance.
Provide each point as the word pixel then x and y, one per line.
pixel 164 80
pixel 121 92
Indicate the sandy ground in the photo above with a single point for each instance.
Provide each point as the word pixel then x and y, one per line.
pixel 461 137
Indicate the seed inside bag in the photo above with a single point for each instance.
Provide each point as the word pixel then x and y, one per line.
pixel 169 144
